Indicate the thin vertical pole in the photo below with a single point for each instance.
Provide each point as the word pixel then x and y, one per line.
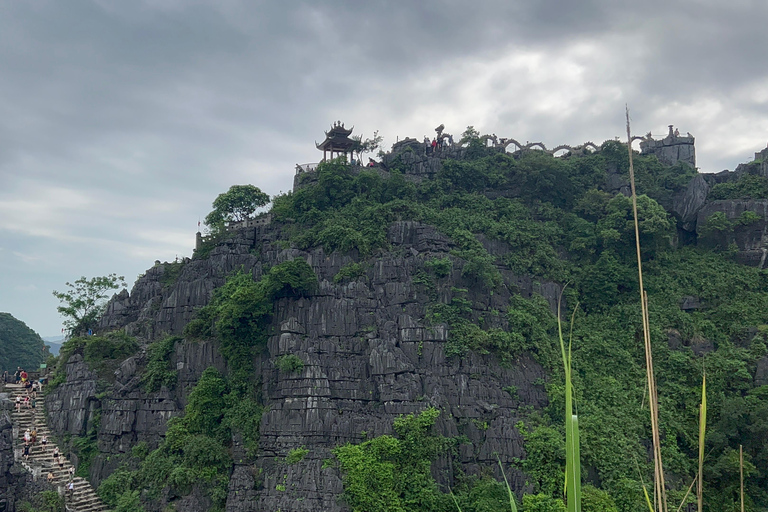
pixel 741 474
pixel 659 485
pixel 702 433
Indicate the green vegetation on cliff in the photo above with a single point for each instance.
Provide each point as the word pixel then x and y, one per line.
pixel 102 353
pixel 392 473
pixel 560 223
pixel 196 453
pixel 553 220
pixel 19 345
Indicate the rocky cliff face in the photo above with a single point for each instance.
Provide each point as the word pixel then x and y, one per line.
pixel 13 478
pixel 751 239
pixel 671 149
pixel 692 208
pixel 369 356
pixel 123 415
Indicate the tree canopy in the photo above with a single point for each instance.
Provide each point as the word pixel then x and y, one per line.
pixel 235 205
pixel 85 300
pixel 366 146
pixel 19 345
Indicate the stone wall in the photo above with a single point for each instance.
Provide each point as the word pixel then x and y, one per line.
pixel 671 149
pixel 15 481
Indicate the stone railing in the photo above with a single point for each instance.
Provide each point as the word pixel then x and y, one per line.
pixel 300 168
pixel 263 219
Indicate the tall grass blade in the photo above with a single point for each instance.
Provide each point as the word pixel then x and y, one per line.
pixel 575 443
pixel 645 489
pixel 572 462
pixel 512 504
pixel 702 432
pixel 660 496
pixel 648 498
pixel 455 501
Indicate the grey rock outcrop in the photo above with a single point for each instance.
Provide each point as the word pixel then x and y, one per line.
pixel 761 372
pixel 14 480
pixel 759 164
pixel 750 238
pixel 671 149
pixel 126 413
pixel 686 205
pixel 369 355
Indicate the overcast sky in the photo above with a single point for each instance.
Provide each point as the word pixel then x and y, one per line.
pixel 121 121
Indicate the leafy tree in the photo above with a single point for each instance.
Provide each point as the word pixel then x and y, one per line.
pixel 46 501
pixel 390 473
pixel 366 146
pixel 235 205
pixel 593 204
pixel 748 186
pixel 469 135
pixel 84 302
pixel 617 229
pixel 715 231
pixel 475 145
pixel 606 282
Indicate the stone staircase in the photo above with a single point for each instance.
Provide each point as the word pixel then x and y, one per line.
pixel 40 462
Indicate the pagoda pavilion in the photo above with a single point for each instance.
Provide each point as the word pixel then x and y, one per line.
pixel 336 141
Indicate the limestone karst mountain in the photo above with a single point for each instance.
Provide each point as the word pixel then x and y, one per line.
pixel 429 282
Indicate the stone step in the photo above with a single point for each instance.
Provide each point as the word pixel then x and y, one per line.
pixel 84 497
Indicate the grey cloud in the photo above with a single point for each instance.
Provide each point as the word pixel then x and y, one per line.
pixel 153 108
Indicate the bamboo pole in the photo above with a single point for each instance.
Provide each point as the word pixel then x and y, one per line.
pixel 682 503
pixel 741 475
pixel 660 496
pixel 702 433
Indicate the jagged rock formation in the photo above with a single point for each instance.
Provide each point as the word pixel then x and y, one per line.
pixel 688 203
pixel 671 149
pixel 128 416
pixel 692 209
pixel 368 358
pixel 13 479
pixel 751 239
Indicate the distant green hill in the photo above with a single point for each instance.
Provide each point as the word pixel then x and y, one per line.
pixel 19 345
